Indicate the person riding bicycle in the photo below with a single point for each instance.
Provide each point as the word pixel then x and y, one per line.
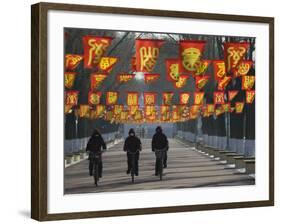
pixel 160 142
pixel 94 146
pixel 132 145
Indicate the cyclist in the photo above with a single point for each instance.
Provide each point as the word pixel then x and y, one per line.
pixel 132 144
pixel 160 142
pixel 94 145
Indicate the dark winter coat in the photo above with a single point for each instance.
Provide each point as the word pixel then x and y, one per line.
pixel 159 141
pixel 95 143
pixel 132 144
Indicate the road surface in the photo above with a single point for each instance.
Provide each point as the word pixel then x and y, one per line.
pixel 186 168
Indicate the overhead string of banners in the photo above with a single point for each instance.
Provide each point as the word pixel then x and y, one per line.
pixel 188 64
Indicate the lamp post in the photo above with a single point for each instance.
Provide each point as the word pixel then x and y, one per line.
pixel 227 121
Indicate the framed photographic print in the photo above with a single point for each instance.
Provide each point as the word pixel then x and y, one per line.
pixel 138 111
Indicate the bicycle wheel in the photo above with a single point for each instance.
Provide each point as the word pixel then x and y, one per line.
pixel 160 169
pixel 133 177
pixel 96 176
pixel 133 170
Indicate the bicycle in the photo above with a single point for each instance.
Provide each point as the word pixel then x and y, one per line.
pixel 159 153
pixel 133 164
pixel 95 159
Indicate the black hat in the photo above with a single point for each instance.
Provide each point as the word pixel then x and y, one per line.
pixel 131 131
pixel 158 129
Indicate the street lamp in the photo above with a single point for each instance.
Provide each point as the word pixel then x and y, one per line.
pixel 139 76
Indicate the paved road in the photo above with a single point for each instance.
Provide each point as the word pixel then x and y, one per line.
pixel 186 168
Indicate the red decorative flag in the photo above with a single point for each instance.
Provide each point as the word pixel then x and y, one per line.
pixel 132 98
pixel 111 98
pixel 94 49
pixel 124 115
pixel 84 110
pixel 232 94
pixel 210 109
pixel 181 82
pixel 202 67
pixel 69 78
pixel 167 98
pixel 133 109
pixel 239 106
pixel 148 78
pixel 219 97
pixel 147 52
pixel 184 114
pixel 149 111
pixel 96 80
pixel 234 53
pixel 175 114
pixel 194 111
pixel 243 68
pixel 133 64
pixel 109 115
pixel 184 98
pixel 190 54
pixel 94 98
pixel 152 118
pixel 67 109
pixel 181 108
pixel 223 82
pixel 165 117
pixel 117 109
pixel 226 107
pixel 219 69
pixel 106 63
pixel 250 95
pixel 71 98
pixel 205 111
pixel 149 98
pixel 219 111
pixel 123 78
pixel 93 114
pixel 173 69
pixel 248 82
pixel 198 98
pixel 72 61
pixel 165 112
pixel 164 109
pixel 200 82
pixel 138 115
pixel 100 109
